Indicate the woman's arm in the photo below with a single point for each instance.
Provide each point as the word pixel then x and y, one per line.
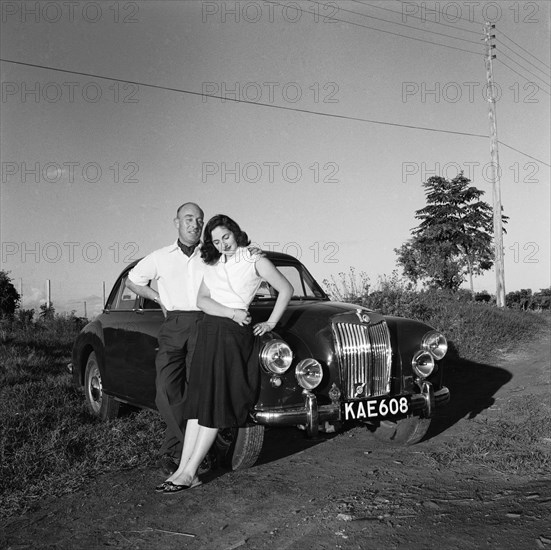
pixel 212 307
pixel 269 272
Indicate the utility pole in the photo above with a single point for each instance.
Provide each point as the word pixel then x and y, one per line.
pixel 495 169
pixel 48 295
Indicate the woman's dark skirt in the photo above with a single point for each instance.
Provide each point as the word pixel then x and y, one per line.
pixel 224 375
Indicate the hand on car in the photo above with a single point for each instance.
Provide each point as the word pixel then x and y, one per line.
pixel 262 328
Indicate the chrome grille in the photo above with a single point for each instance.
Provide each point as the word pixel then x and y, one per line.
pixel 365 356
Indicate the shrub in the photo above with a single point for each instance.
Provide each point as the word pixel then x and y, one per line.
pixel 477 329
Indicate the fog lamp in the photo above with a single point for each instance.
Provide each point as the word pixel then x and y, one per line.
pixel 423 363
pixel 309 374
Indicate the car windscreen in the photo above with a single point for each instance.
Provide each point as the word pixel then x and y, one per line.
pixel 304 285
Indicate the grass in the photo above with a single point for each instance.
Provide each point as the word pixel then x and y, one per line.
pixel 50 444
pixel 517 441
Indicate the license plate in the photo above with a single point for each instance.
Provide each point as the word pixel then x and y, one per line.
pixel 377 408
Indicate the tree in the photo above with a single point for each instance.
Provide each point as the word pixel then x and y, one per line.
pixel 454 237
pixel 9 297
pixel 46 312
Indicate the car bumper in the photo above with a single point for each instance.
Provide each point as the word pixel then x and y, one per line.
pixel 311 415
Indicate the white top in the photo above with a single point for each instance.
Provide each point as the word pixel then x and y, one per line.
pixel 178 277
pixel 233 281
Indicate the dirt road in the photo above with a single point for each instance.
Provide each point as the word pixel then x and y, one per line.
pixel 346 491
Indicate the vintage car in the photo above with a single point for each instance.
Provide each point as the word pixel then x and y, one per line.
pixel 325 365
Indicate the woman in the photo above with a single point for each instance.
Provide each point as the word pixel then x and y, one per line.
pixel 223 379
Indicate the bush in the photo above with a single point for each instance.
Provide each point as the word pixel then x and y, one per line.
pixel 477 329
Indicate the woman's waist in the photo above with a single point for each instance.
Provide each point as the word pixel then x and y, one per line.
pixel 225 323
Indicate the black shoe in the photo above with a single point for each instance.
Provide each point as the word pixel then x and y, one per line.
pixel 167 465
pixel 170 487
pixel 160 488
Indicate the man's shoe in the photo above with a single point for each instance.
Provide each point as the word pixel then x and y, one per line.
pixel 167 465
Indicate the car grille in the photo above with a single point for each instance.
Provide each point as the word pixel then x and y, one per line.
pixel 365 356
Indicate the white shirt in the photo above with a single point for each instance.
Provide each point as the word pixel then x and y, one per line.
pixel 233 281
pixel 178 277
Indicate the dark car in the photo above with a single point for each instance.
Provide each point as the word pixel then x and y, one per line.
pixel 325 364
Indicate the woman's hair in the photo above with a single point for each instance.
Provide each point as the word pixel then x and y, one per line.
pixel 208 251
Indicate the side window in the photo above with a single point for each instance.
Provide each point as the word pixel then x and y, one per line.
pixel 150 304
pixel 265 291
pixel 125 298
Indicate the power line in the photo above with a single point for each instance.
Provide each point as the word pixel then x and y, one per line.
pixel 524 68
pixel 522 153
pixel 420 18
pixel 259 104
pixel 522 76
pixel 376 29
pixel 459 18
pixel 523 58
pixel 235 100
pixel 399 24
pixel 524 50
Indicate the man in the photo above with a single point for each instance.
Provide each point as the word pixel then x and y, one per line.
pixel 178 270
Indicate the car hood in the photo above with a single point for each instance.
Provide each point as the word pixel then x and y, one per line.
pixel 310 322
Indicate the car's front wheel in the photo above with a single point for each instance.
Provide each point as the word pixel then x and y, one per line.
pixel 406 431
pixel 99 404
pixel 239 448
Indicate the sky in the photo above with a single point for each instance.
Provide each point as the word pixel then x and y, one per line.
pixel 345 108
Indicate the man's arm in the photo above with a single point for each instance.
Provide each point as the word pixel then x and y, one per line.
pixel 146 292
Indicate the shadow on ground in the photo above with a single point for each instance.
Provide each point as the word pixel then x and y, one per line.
pixel 282 442
pixel 472 388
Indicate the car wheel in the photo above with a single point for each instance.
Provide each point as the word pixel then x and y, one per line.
pixel 239 448
pixel 406 431
pixel 99 404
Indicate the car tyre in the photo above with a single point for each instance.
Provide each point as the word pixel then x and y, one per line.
pixel 99 404
pixel 406 431
pixel 239 448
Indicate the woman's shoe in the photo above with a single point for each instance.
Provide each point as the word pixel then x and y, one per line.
pixel 170 487
pixel 160 488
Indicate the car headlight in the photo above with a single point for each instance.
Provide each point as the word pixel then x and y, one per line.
pixel 435 343
pixel 309 374
pixel 276 356
pixel 423 363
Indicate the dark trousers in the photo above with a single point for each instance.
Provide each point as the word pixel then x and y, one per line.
pixel 177 339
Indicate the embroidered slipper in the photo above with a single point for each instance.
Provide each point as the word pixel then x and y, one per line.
pixel 160 488
pixel 175 488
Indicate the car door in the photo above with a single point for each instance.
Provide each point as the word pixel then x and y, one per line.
pixel 117 322
pixel 141 345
